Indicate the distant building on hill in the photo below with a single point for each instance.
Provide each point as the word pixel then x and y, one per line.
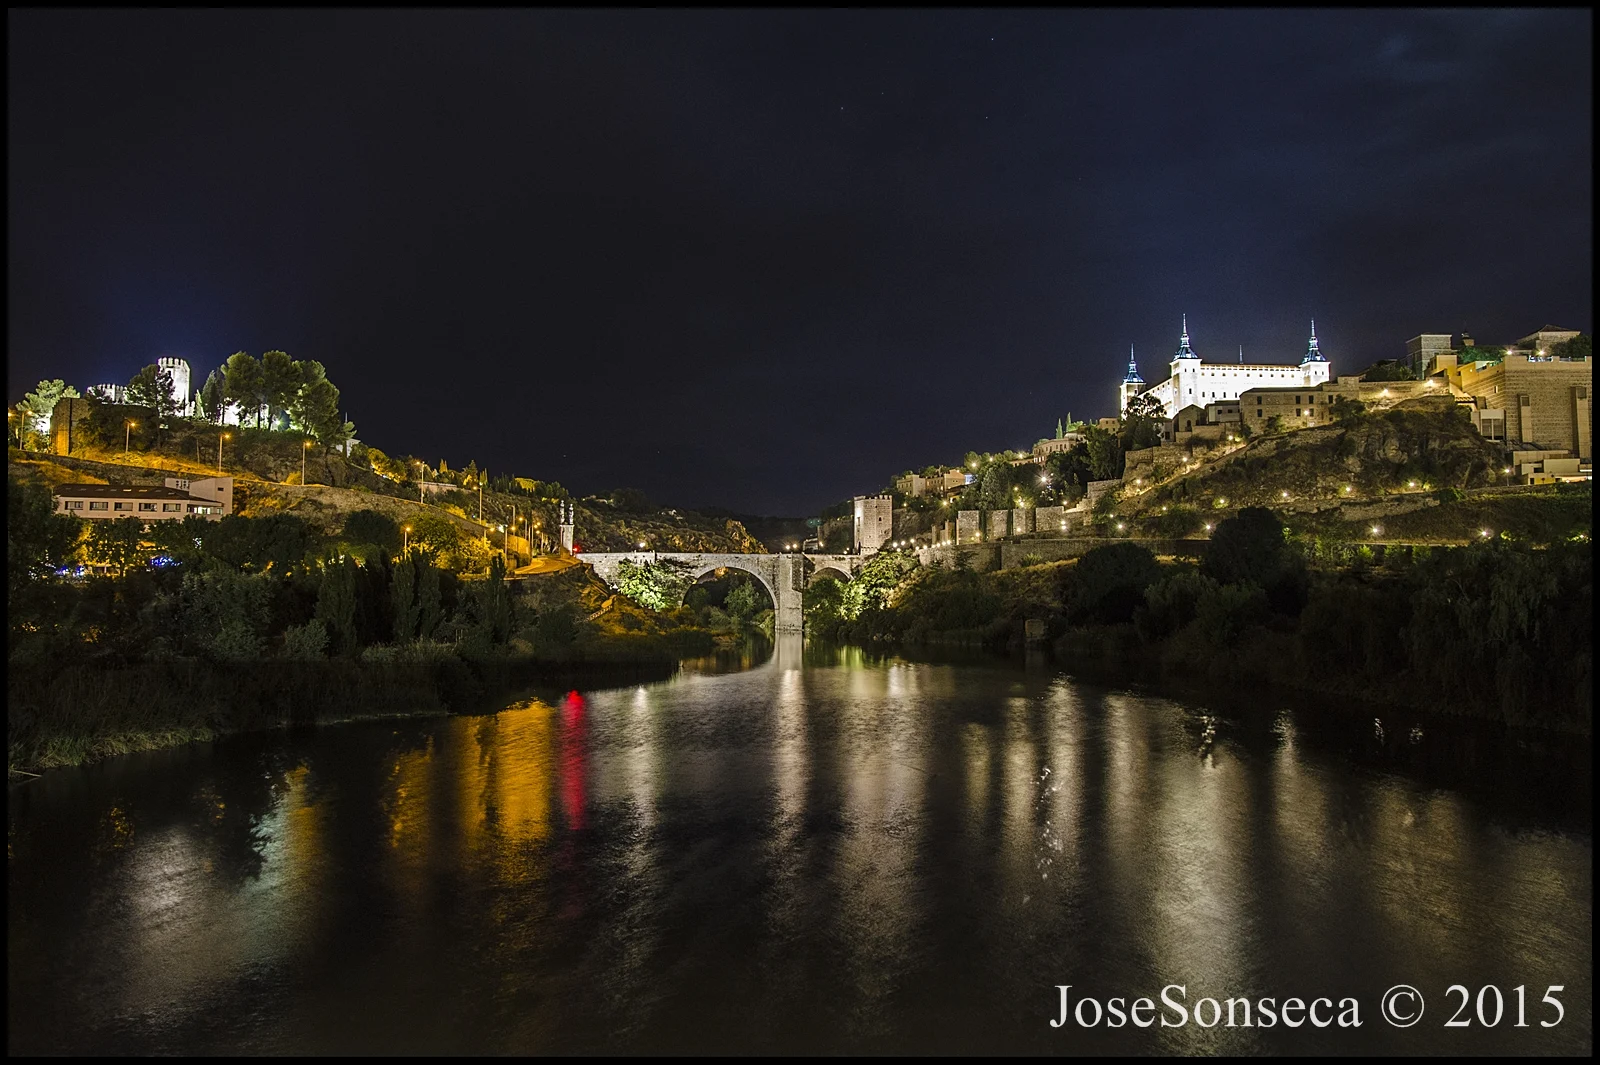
pixel 1194 381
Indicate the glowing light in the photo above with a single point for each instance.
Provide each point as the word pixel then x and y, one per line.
pixel 1483 533
pixel 1346 488
pixel 1208 526
pixel 1377 530
pixel 1285 493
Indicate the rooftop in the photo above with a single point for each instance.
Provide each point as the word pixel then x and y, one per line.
pixel 119 491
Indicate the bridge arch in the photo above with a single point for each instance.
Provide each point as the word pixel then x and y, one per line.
pixel 700 570
pixel 829 570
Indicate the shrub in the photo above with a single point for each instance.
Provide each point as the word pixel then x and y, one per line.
pixel 305 641
pixel 1108 583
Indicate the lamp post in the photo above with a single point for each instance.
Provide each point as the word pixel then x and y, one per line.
pixel 305 446
pixel 405 551
pixel 127 432
pixel 220 438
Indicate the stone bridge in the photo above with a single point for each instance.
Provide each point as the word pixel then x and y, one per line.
pixel 783 576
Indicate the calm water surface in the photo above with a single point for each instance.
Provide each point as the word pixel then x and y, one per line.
pixel 825 852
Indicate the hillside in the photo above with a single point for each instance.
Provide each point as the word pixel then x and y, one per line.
pixel 1416 472
pixel 267 468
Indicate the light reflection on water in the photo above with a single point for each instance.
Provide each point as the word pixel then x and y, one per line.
pixel 822 850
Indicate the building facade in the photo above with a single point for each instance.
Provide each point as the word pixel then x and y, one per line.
pixel 1196 382
pixel 211 497
pixel 1533 400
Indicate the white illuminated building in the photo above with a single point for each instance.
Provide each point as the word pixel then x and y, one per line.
pixel 1194 382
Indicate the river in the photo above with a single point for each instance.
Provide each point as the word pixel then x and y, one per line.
pixel 827 851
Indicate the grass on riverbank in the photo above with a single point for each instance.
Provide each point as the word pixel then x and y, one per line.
pixel 83 713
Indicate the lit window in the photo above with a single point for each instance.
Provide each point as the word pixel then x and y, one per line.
pixel 98 506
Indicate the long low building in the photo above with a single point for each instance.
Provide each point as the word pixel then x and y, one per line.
pixel 179 498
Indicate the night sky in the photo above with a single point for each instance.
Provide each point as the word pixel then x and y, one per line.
pixel 766 261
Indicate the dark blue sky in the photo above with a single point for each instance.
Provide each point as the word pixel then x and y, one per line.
pixel 765 261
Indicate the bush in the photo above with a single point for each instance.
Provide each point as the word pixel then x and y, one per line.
pixel 305 641
pixel 1172 603
pixel 1108 584
pixel 372 527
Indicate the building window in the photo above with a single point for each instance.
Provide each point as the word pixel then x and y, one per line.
pixel 172 508
pixel 97 506
pixel 147 506
pixel 122 506
pixel 76 504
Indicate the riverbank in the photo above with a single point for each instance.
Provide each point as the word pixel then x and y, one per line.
pixel 86 712
pixel 1499 630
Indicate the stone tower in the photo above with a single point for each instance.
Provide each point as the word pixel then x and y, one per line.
pixel 179 369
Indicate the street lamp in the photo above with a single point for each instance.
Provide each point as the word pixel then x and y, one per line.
pixel 127 432
pixel 220 438
pixel 305 446
pixel 406 549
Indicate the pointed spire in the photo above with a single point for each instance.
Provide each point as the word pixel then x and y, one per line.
pixel 1312 353
pixel 1184 350
pixel 1241 354
pixel 1132 376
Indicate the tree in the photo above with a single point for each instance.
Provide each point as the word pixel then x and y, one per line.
pixel 212 399
pixel 875 582
pixel 116 543
pixel 242 384
pixel 1105 453
pixel 1252 548
pixel 1108 584
pixel 1389 370
pixel 1578 347
pixel 658 585
pixel 403 595
pixel 336 602
pixel 280 383
pixel 315 407
pixel 384 466
pixel 38 540
pixel 493 604
pixel 152 387
pixel 224 614
pixel 995 487
pixel 1475 354
pixel 745 600
pixel 277 542
pixel 182 541
pixel 37 406
pixel 1144 405
pixel 372 527
pixel 1346 409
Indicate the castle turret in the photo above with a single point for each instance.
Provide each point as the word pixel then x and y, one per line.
pixel 179 369
pixel 1132 383
pixel 1185 373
